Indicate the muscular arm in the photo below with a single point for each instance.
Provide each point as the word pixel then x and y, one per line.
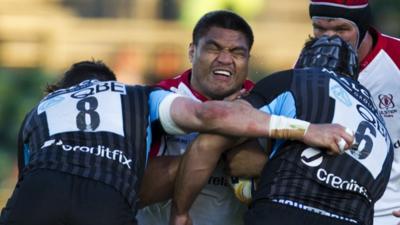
pixel 158 180
pixel 239 118
pixel 246 160
pixel 196 167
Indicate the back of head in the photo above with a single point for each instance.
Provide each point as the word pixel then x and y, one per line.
pixel 83 70
pixel 222 19
pixel 356 11
pixel 331 53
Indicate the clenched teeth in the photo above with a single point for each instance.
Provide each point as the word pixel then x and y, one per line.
pixel 223 73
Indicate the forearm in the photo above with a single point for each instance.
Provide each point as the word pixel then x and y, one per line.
pixel 222 117
pixel 236 118
pixel 246 160
pixel 196 167
pixel 239 118
pixel 159 180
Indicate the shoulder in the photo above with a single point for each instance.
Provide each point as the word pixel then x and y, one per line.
pixel 269 87
pixel 274 80
pixel 174 82
pixel 390 45
pixel 392 48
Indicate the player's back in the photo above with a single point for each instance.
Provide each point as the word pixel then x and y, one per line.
pixel 95 130
pixel 297 175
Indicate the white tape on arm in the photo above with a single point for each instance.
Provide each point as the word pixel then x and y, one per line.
pixel 287 128
pixel 165 116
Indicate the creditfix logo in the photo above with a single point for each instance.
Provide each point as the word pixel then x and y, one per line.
pixel 342 184
pixel 312 157
pixel 99 151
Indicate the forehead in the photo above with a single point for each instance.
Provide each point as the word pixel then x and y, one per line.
pixel 224 37
pixel 331 22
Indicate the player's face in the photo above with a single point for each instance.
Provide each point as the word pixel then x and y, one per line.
pixel 219 63
pixel 346 29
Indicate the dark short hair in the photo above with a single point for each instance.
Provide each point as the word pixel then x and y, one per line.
pixel 222 19
pixel 80 71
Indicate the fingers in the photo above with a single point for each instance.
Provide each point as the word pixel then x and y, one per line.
pixel 346 140
pixel 335 137
pixel 181 220
pixel 235 95
pixel 396 213
pixel 342 145
pixel 349 137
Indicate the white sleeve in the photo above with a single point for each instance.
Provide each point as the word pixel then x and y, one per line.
pixel 165 116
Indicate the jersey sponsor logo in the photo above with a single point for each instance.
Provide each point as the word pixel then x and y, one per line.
pixel 386 105
pixel 312 157
pixel 99 151
pixel 341 184
pixel 341 95
pixel 359 92
pixel 312 209
pixel 89 87
pixel 220 180
pixel 98 88
pixel 49 103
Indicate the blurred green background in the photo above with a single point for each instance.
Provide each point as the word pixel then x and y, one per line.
pixel 143 41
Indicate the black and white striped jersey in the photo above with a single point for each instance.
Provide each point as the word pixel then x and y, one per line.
pixel 98 130
pixel 345 186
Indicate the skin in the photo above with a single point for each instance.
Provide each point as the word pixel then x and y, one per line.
pixel 219 49
pixel 238 158
pixel 346 29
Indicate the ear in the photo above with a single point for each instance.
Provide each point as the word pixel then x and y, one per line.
pixel 191 52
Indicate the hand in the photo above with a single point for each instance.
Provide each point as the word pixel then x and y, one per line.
pixel 328 136
pixel 396 213
pixel 236 95
pixel 182 219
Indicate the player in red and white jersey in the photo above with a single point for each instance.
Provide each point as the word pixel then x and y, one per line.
pixel 176 145
pixel 379 57
pixel 219 54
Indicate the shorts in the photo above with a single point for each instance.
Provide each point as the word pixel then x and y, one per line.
pixel 270 213
pixel 47 197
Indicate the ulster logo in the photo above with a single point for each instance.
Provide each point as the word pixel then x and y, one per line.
pixel 341 95
pixel 386 101
pixel 386 105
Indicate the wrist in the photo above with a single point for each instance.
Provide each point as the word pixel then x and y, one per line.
pixel 287 128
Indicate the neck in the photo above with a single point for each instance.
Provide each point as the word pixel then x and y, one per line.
pixel 365 47
pixel 194 86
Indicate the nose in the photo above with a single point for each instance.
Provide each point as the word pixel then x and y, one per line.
pixel 225 57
